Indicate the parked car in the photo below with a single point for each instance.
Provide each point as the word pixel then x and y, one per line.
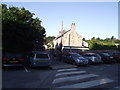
pixel 14 59
pixel 39 58
pixel 116 56
pixel 106 58
pixel 74 58
pixel 93 58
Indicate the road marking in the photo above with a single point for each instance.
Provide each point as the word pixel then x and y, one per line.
pixel 115 88
pixel 63 66
pixel 118 87
pixel 26 69
pixel 72 78
pixel 88 84
pixel 68 73
pixel 67 69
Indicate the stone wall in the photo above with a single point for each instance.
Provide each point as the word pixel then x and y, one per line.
pixel 69 38
pixel 72 38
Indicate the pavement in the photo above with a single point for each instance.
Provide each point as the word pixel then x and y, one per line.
pixel 56 64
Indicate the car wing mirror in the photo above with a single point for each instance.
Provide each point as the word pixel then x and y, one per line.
pixel 70 56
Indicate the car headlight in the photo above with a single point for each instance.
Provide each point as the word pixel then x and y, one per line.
pixel 93 59
pixel 78 60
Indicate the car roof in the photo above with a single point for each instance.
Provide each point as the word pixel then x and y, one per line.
pixel 71 53
pixel 90 53
pixel 40 52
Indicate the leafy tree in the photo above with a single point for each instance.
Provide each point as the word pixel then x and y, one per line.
pixel 51 38
pixel 117 41
pixel 83 39
pixel 108 43
pixel 98 38
pixel 93 38
pixel 49 41
pixel 20 29
pixel 112 37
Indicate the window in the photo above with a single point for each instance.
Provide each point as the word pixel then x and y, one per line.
pixel 41 55
pixel 89 55
pixel 14 55
pixel 106 54
pixel 75 55
pixel 67 54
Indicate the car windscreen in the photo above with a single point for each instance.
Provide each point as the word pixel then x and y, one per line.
pixel 89 55
pixel 14 55
pixel 76 55
pixel 41 55
pixel 106 54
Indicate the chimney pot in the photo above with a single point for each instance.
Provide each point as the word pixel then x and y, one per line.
pixel 73 26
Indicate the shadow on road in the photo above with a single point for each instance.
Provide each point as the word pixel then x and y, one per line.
pixel 41 68
pixel 13 68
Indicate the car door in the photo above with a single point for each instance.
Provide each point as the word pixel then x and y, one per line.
pixel 67 58
pixel 72 59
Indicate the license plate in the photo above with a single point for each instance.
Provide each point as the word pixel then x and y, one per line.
pixel 13 61
pixel 42 60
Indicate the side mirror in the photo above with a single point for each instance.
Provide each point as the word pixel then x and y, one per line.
pixel 70 56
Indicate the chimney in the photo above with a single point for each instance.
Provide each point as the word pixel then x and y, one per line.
pixel 73 26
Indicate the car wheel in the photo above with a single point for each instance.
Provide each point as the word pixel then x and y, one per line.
pixel 49 67
pixel 85 65
pixel 30 65
pixel 90 62
pixel 74 63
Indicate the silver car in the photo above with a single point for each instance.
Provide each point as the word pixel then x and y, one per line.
pixel 39 59
pixel 74 58
pixel 93 58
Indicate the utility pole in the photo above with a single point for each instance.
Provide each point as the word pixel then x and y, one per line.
pixel 62 26
pixel 69 43
pixel 61 35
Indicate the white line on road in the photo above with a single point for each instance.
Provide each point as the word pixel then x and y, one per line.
pixel 73 78
pixel 88 84
pixel 26 69
pixel 68 73
pixel 115 88
pixel 67 69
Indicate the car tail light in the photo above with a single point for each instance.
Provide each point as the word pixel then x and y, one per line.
pixel 119 57
pixel 5 59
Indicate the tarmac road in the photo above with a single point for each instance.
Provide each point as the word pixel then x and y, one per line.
pixel 62 75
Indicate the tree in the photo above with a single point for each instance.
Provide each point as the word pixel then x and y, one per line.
pixel 112 38
pixel 83 39
pixel 93 38
pixel 51 38
pixel 98 38
pixel 20 29
pixel 49 41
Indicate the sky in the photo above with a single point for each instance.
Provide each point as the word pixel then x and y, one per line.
pixel 92 19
